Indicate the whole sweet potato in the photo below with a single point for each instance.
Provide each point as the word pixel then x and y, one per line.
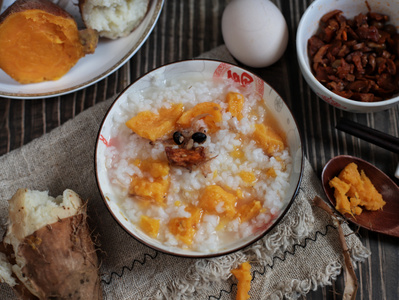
pixel 47 251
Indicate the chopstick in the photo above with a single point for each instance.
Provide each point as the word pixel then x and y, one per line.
pixel 368 134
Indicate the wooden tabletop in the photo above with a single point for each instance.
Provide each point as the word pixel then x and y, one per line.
pixel 188 28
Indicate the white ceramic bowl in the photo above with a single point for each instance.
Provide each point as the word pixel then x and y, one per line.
pixel 308 26
pixel 206 69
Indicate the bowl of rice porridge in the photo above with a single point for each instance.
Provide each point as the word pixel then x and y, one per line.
pixel 198 158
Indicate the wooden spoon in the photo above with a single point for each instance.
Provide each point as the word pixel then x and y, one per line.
pixel 384 221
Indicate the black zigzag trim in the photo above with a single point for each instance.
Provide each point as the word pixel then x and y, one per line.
pixel 113 274
pixel 318 233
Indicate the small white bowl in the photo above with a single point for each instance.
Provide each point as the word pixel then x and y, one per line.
pixel 206 69
pixel 308 26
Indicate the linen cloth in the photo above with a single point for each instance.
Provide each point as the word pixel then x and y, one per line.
pixel 300 254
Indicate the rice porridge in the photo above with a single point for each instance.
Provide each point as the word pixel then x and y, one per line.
pixel 197 164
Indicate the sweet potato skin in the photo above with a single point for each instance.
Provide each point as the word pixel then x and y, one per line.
pixel 44 5
pixel 61 262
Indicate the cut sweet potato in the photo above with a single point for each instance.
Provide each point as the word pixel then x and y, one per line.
pixel 235 102
pixel 150 225
pixel 153 126
pixel 216 200
pixel 268 139
pixel 184 229
pixel 113 18
pixel 244 277
pixel 39 41
pixel 353 189
pixel 209 112
pixel 47 251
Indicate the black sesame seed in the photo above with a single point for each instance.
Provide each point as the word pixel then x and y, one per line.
pixel 178 138
pixel 199 137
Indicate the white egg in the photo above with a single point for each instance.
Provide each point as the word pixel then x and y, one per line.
pixel 255 32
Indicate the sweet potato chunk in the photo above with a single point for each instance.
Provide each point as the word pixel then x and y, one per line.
pixel 371 199
pixel 351 176
pixel 354 190
pixel 39 41
pixel 184 229
pixel 149 225
pixel 150 190
pixel 154 185
pixel 155 168
pixel 244 277
pixel 342 201
pixel 216 200
pixel 153 126
pixel 235 102
pixel 209 112
pixel 249 210
pixel 271 173
pixel 268 139
pixel 248 177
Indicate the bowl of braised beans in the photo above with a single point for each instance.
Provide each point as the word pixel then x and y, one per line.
pixel 348 53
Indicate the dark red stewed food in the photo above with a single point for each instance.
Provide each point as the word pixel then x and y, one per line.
pixel 356 58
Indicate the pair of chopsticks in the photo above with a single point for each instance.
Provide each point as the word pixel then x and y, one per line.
pixel 368 134
pixel 371 135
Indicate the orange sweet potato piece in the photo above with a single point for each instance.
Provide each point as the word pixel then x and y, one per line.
pixel 355 208
pixel 155 183
pixel 153 126
pixel 149 225
pixel 342 201
pixel 209 112
pixel 235 102
pixel 39 41
pixel 351 176
pixel 237 153
pixel 212 197
pixel 155 168
pixel 354 189
pixel 149 190
pixel 244 277
pixel 184 229
pixel 248 177
pixel 361 187
pixel 249 210
pixel 271 172
pixel 268 139
pixel 371 199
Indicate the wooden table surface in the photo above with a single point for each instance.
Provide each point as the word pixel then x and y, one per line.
pixel 188 28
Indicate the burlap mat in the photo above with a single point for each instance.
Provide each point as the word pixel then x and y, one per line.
pixel 301 254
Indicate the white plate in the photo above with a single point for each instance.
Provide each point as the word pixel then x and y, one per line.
pixel 108 57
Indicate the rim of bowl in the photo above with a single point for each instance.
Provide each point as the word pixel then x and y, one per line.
pixel 306 68
pixel 197 254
